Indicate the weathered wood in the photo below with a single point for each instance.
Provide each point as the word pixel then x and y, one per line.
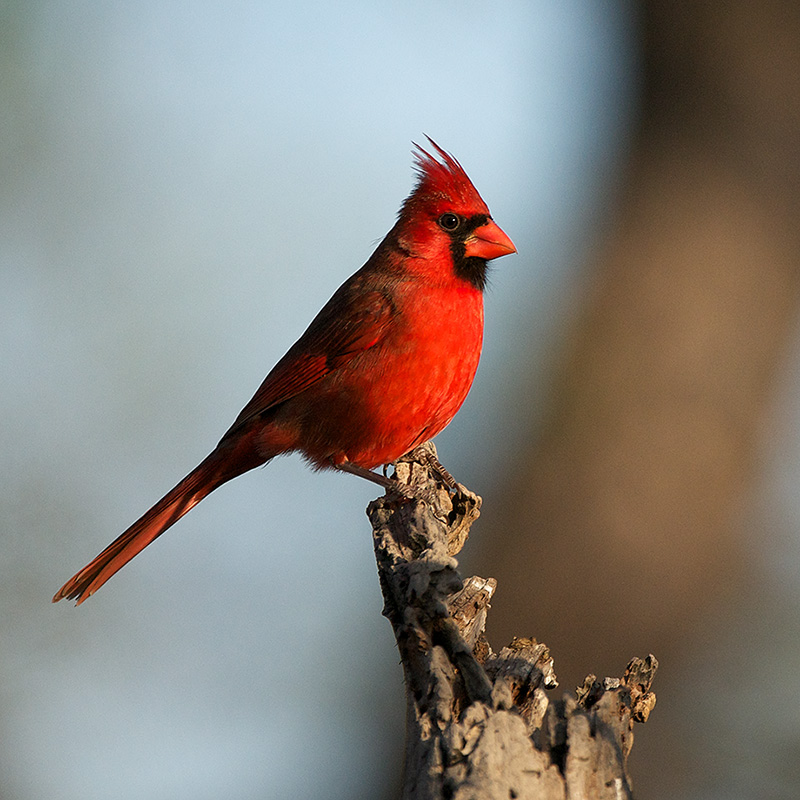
pixel 479 724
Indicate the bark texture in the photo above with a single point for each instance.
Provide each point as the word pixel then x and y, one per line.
pixel 480 724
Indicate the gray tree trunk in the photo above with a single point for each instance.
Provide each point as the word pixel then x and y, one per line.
pixel 480 725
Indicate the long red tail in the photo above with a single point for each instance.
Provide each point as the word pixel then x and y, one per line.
pixel 216 469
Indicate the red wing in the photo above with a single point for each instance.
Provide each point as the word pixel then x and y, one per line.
pixel 344 327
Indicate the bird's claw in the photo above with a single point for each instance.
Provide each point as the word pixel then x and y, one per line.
pixel 467 494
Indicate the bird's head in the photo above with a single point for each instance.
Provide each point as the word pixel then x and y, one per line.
pixel 445 214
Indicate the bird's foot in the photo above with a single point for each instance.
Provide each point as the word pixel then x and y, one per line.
pixel 426 456
pixel 419 475
pixel 450 501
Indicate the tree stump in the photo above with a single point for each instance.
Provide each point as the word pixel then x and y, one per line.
pixel 480 724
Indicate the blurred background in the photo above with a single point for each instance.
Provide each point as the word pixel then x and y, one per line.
pixel 182 187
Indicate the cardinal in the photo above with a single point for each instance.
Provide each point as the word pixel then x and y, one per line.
pixel 382 368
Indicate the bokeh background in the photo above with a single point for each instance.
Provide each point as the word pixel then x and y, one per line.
pixel 183 185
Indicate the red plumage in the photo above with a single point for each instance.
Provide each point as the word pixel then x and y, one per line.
pixel 383 367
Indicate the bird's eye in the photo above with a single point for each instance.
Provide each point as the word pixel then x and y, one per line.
pixel 449 222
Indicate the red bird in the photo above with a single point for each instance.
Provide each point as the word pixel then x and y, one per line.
pixel 383 367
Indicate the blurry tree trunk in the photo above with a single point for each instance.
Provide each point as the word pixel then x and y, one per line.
pixel 619 518
pixel 480 725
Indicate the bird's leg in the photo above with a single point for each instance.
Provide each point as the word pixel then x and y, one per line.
pixel 426 455
pixel 390 484
pixel 433 462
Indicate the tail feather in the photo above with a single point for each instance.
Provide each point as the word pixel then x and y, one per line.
pixel 211 473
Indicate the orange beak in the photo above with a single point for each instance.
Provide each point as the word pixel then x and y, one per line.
pixel 489 242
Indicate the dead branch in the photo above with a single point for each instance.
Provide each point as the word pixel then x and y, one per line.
pixel 480 724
